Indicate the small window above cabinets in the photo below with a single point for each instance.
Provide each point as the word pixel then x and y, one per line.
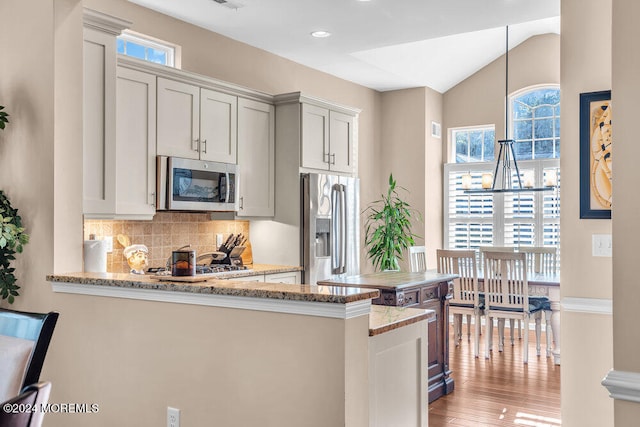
pixel 196 123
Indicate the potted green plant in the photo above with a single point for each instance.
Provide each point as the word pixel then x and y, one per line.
pixel 12 237
pixel 388 228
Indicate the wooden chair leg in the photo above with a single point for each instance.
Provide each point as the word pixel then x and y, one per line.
pixel 525 346
pixel 512 323
pixel 487 338
pixel 476 336
pixel 538 320
pixel 519 330
pixel 501 323
pixel 468 327
pixel 547 319
pixel 457 328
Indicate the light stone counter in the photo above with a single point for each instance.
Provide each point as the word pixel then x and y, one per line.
pixel 223 291
pixel 385 318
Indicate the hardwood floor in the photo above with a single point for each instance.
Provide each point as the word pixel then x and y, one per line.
pixel 500 391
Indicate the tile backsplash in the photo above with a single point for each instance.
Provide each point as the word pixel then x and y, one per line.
pixel 166 232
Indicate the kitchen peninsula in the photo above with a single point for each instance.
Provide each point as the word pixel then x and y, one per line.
pixel 240 353
pixel 428 290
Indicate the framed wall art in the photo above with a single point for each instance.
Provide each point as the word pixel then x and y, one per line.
pixel 595 155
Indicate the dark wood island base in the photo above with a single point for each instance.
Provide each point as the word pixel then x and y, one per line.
pixel 417 290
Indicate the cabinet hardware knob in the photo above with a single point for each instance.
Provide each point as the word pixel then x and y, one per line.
pixel 197 145
pixel 333 158
pixel 241 202
pixel 204 143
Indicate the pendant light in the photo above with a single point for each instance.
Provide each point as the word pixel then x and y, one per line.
pixel 506 161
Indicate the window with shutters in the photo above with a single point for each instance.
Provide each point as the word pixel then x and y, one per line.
pixel 507 219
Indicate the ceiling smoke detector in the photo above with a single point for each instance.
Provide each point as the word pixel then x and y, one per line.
pixel 229 4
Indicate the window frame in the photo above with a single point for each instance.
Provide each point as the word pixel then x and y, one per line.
pixel 512 125
pixel 452 140
pixel 171 50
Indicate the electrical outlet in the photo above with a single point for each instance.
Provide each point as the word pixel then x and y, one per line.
pixel 109 243
pixel 218 240
pixel 173 417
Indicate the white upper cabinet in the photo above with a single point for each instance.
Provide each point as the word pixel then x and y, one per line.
pixel 218 126
pixel 341 136
pixel 315 148
pixel 135 143
pixel 328 132
pixel 196 123
pixel 256 158
pixel 327 139
pixel 178 119
pixel 99 163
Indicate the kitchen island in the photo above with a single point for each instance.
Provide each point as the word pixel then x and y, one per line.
pixel 233 353
pixel 427 290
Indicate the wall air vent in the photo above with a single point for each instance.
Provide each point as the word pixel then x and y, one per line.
pixel 229 4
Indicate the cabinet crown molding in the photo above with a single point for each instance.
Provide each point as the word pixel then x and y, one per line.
pixel 103 22
pixel 193 79
pixel 293 97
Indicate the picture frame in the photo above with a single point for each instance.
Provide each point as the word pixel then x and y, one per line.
pixel 595 155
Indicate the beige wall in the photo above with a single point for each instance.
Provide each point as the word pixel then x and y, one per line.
pixel 413 156
pixel 585 67
pixel 218 366
pixel 626 227
pixel 479 100
pixel 26 145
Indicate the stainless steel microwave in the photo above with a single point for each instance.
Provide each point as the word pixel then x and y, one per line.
pixel 196 185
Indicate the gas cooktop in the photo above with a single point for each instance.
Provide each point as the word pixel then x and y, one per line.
pixel 219 268
pixel 209 269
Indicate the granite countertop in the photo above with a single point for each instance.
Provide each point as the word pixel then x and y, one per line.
pixel 385 318
pixel 221 286
pixel 390 280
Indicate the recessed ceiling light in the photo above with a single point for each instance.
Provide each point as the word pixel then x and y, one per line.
pixel 321 34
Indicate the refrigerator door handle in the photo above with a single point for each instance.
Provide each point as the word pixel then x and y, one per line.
pixel 343 229
pixel 334 230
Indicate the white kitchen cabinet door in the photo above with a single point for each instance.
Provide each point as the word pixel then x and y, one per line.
pixel 292 277
pixel 135 143
pixel 99 114
pixel 341 142
pixel 315 137
pixel 256 158
pixel 178 119
pixel 218 126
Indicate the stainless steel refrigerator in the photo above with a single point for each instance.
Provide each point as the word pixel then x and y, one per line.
pixel 330 226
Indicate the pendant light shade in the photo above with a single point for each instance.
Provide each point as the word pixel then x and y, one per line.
pixel 506 161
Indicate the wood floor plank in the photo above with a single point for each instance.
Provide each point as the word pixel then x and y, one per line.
pixel 499 391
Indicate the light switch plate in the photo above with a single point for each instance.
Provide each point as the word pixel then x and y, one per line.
pixel 601 245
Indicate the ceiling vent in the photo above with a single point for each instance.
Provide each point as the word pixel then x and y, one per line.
pixel 229 4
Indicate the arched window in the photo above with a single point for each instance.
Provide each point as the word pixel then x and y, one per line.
pixel 535 118
pixel 521 219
